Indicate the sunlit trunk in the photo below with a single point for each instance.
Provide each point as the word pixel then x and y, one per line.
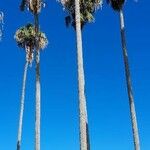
pixel 22 107
pixel 84 135
pixel 1 24
pixel 38 88
pixel 129 85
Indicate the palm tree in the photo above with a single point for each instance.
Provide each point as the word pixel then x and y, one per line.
pixel 25 38
pixel 35 7
pixel 1 24
pixel 117 5
pixel 81 12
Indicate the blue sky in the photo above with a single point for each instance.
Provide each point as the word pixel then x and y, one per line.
pixel 107 101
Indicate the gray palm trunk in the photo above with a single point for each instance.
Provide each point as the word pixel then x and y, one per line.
pixel 129 85
pixel 84 135
pixel 38 88
pixel 1 24
pixel 22 107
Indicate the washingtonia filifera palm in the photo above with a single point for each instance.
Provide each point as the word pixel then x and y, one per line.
pixel 80 12
pixel 35 7
pixel 117 5
pixel 25 38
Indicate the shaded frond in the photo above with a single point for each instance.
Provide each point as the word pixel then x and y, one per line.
pixel 23 5
pixel 68 21
pixel 116 4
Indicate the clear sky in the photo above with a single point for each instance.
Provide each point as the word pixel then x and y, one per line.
pixel 107 101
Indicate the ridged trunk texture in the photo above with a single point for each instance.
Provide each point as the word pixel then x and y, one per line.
pixel 129 85
pixel 22 107
pixel 84 135
pixel 38 88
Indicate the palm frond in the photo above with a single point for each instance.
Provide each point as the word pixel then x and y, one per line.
pixel 87 10
pixel 116 4
pixel 68 21
pixel 35 6
pixel 23 5
pixel 25 36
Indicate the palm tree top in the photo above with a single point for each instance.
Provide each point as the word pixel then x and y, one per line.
pixel 116 4
pixel 87 10
pixel 33 5
pixel 25 36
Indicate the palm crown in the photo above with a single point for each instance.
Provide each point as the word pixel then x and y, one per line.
pixel 33 5
pixel 116 4
pixel 87 9
pixel 25 36
pixel 26 39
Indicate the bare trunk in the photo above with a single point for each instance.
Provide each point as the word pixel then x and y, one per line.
pixel 129 85
pixel 1 24
pixel 84 135
pixel 22 107
pixel 38 88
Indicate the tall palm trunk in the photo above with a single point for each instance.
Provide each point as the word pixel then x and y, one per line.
pixel 1 24
pixel 84 135
pixel 38 87
pixel 22 106
pixel 129 86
